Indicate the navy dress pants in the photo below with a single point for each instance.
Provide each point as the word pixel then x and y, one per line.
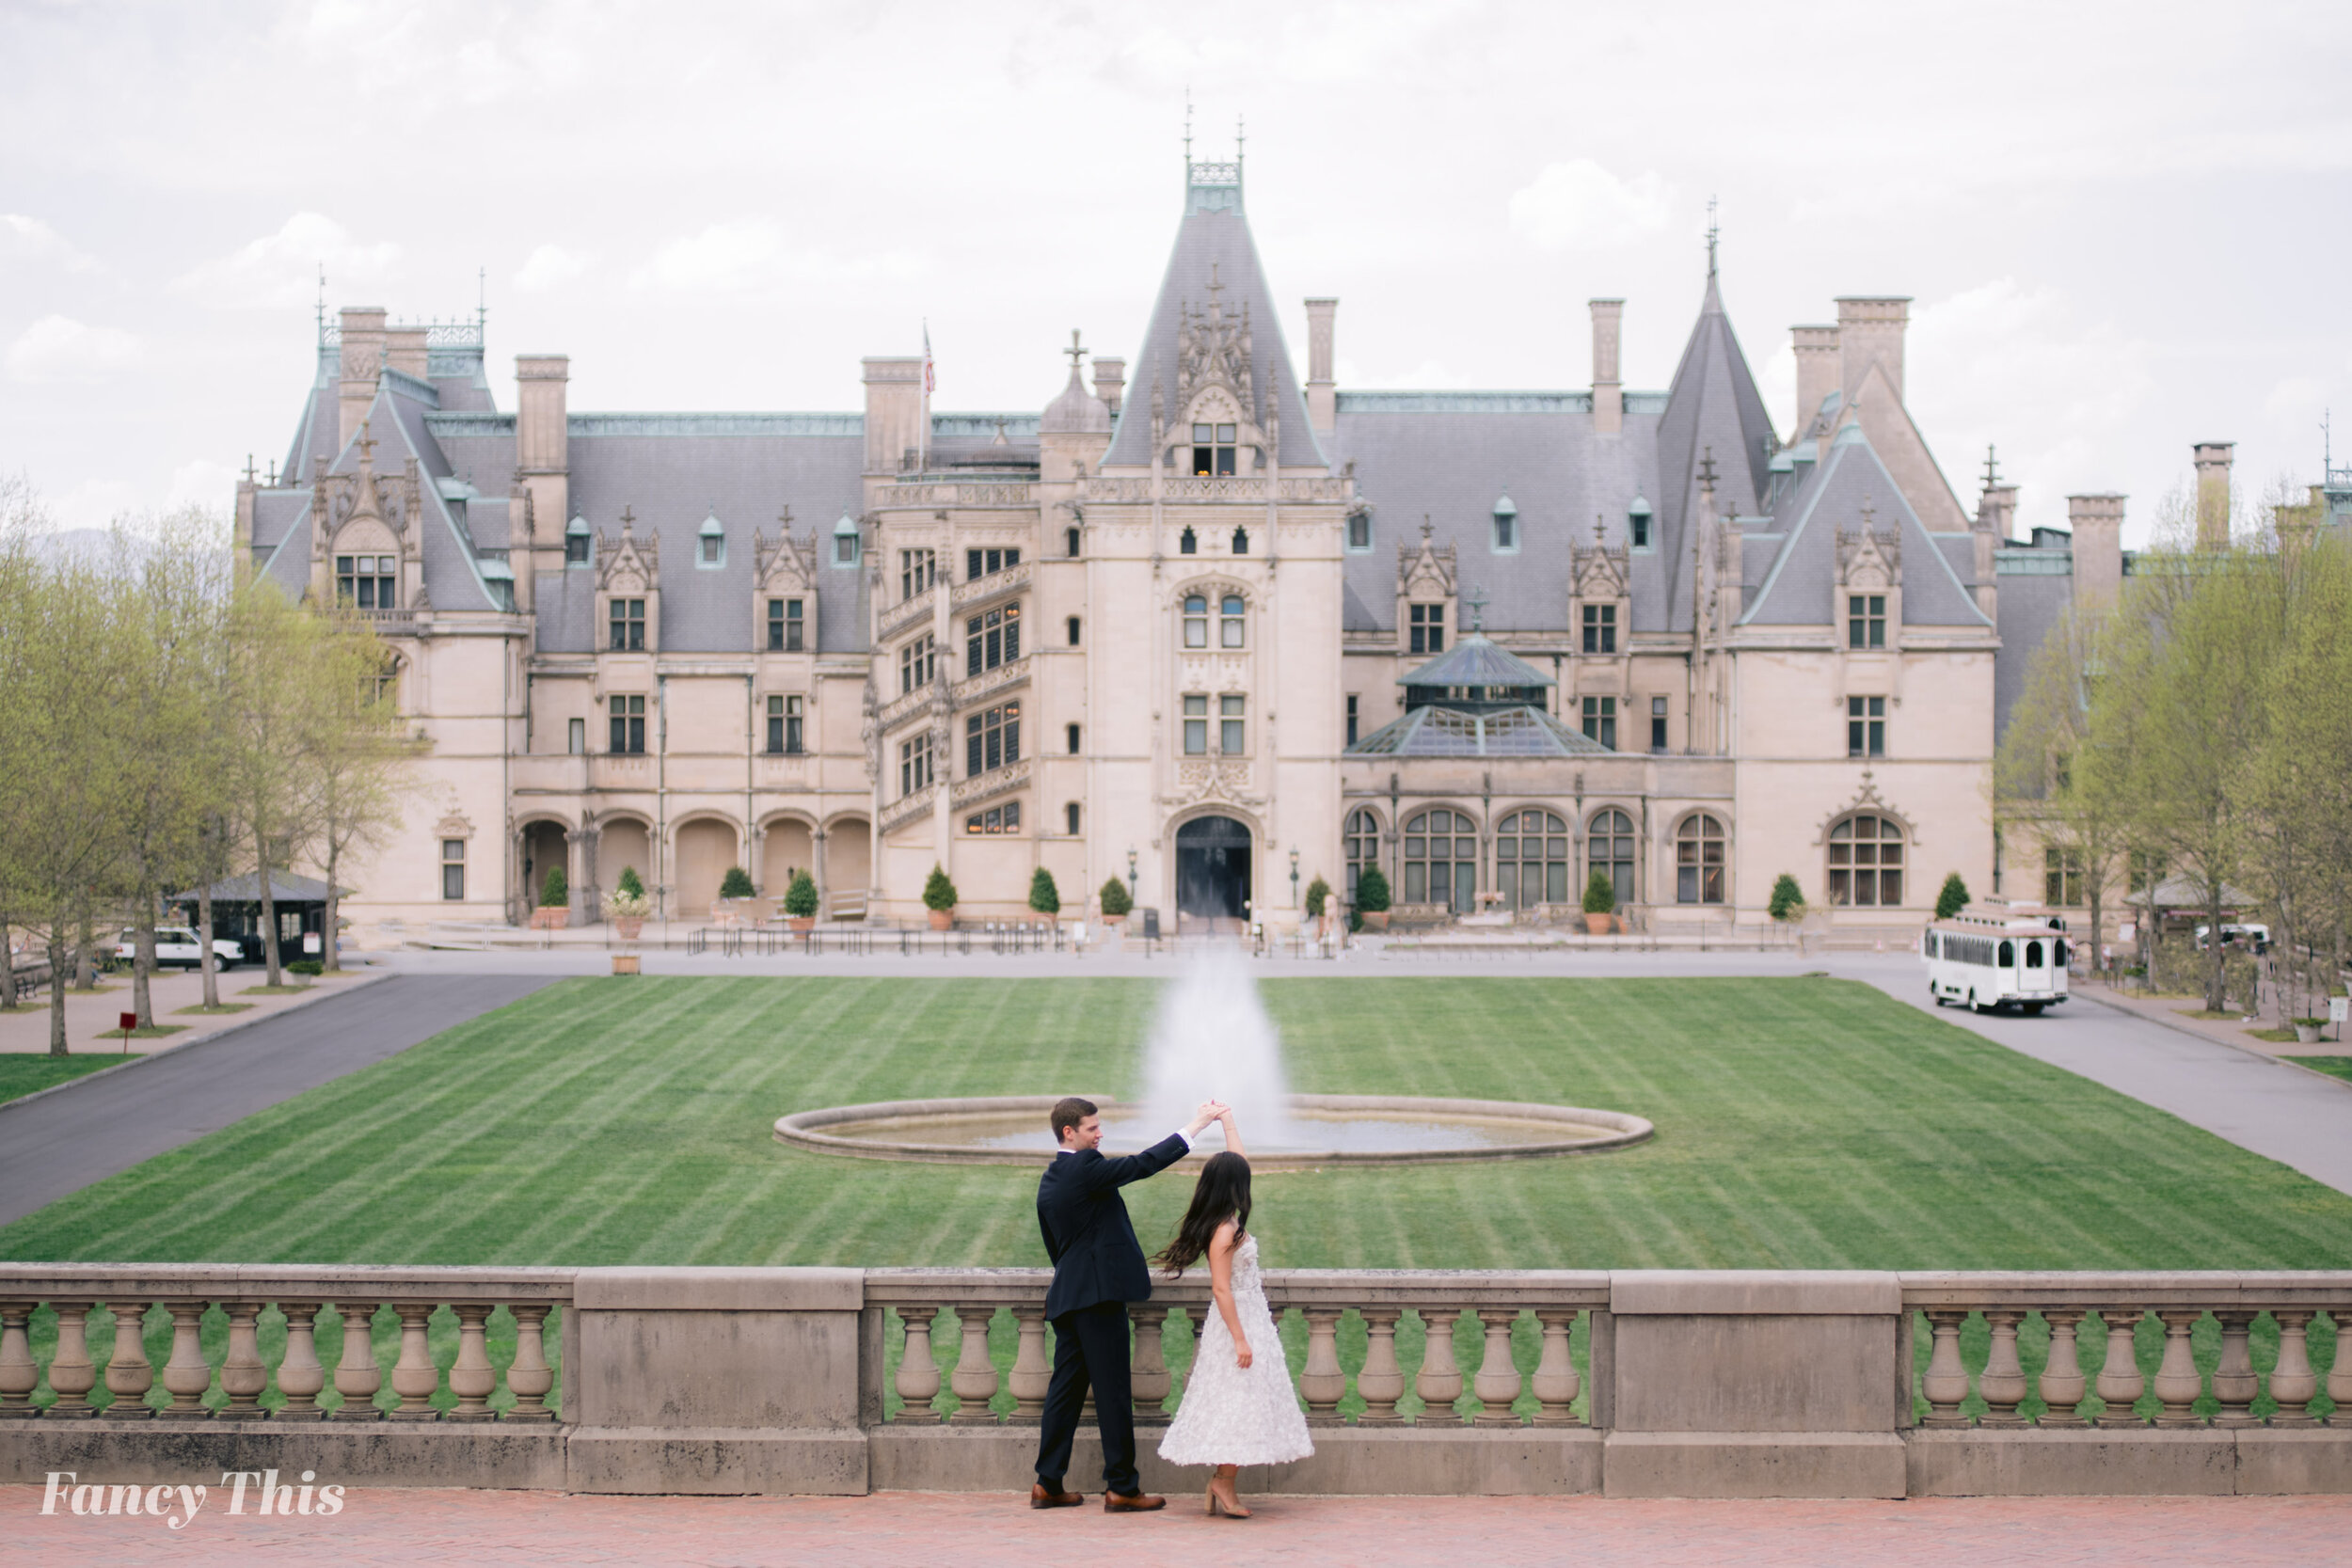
pixel 1090 1351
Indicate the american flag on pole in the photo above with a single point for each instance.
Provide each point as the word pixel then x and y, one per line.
pixel 930 380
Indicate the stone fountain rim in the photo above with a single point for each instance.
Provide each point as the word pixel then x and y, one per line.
pixel 803 1129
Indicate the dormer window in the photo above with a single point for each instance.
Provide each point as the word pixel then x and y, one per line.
pixel 1213 449
pixel 367 582
pixel 1360 531
pixel 1637 520
pixel 1506 534
pixel 576 543
pixel 710 545
pixel 845 541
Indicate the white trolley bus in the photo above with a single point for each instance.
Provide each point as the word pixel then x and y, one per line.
pixel 1994 958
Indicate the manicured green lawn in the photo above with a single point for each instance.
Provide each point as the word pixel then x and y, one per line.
pixel 1803 1123
pixel 2336 1066
pixel 25 1071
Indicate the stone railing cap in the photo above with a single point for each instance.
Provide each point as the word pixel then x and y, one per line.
pixel 1744 1291
pixel 688 1290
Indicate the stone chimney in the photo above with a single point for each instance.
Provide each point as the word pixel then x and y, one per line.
pixel 2098 524
pixel 2212 495
pixel 1818 373
pixel 404 351
pixel 1323 394
pixel 1997 510
pixel 362 361
pixel 1110 382
pixel 894 414
pixel 1608 388
pixel 1871 332
pixel 542 467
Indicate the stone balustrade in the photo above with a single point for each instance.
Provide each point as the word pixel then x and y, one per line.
pixel 1630 1383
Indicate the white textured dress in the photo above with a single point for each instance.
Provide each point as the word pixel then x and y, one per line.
pixel 1232 1415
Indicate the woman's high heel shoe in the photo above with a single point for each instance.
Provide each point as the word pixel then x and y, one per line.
pixel 1218 1504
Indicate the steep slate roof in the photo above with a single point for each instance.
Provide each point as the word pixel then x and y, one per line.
pixel 1477 662
pixel 1800 587
pixel 1712 407
pixel 1213 234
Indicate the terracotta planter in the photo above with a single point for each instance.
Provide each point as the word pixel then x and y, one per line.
pixel 1599 924
pixel 629 926
pixel 626 963
pixel 800 922
pixel 552 918
pixel 943 920
pixel 1375 920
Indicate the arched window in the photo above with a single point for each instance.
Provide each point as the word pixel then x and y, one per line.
pixel 1241 540
pixel 2007 958
pixel 1187 543
pixel 1361 843
pixel 1228 630
pixel 1441 860
pixel 1608 846
pixel 1195 620
pixel 1699 861
pixel 1866 861
pixel 1531 859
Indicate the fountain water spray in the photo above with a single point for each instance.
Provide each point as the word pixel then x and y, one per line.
pixel 1213 1040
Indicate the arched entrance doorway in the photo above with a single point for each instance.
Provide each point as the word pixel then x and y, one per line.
pixel 1212 868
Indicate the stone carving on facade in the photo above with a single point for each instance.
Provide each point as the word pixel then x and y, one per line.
pixel 787 564
pixel 1221 779
pixel 393 501
pixel 869 726
pixel 628 563
pixel 1212 348
pixel 1867 558
pixel 1867 797
pixel 1599 572
pixel 1425 571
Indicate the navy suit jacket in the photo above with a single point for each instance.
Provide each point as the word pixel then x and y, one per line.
pixel 1087 1234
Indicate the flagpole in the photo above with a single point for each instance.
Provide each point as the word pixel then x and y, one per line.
pixel 923 434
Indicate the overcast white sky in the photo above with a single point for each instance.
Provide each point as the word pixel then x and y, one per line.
pixel 2123 225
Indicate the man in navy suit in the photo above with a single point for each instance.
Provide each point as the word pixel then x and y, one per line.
pixel 1098 1269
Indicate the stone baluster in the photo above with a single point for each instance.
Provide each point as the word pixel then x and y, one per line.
pixel 472 1377
pixel 2235 1384
pixel 415 1377
pixel 358 1375
pixel 2340 1374
pixel 2003 1381
pixel 71 1376
pixel 529 1378
pixel 1439 1381
pixel 2120 1382
pixel 973 1380
pixel 918 1374
pixel 299 1376
pixel 1148 1377
pixel 1945 1384
pixel 2062 1381
pixel 1382 1382
pixel 19 1373
pixel 2292 1381
pixel 1497 1384
pixel 1555 1384
pixel 242 1377
pixel 129 1373
pixel 1032 1373
pixel 1321 1383
pixel 2178 1382
pixel 187 1376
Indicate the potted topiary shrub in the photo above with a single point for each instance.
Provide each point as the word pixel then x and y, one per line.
pixel 1952 898
pixel 1600 901
pixel 1318 898
pixel 626 906
pixel 939 897
pixel 737 884
pixel 1371 899
pixel 1116 901
pixel 1045 897
pixel 800 902
pixel 555 897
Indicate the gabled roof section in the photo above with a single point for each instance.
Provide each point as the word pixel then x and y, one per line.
pixel 1714 409
pixel 1477 662
pixel 1214 246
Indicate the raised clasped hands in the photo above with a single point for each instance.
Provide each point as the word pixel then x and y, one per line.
pixel 1211 1110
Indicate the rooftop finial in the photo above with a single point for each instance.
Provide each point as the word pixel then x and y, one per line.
pixel 1706 470
pixel 1074 351
pixel 1240 137
pixel 322 301
pixel 1992 468
pixel 1870 513
pixel 1477 603
pixel 1713 231
pixel 482 303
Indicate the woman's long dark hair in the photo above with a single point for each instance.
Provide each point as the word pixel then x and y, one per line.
pixel 1223 1193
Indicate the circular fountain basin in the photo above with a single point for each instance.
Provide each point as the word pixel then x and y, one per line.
pixel 1325 1130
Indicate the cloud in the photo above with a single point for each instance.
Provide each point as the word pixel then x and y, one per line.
pixel 1580 205
pixel 281 269
pixel 752 254
pixel 58 348
pixel 202 482
pixel 551 266
pixel 28 239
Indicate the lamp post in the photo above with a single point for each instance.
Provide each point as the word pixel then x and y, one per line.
pixel 1293 876
pixel 1131 876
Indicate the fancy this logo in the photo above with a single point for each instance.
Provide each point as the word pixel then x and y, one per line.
pixel 178 1505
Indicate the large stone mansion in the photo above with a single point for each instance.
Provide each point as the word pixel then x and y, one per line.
pixel 1201 624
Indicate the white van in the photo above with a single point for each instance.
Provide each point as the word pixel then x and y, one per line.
pixel 1997 957
pixel 177 946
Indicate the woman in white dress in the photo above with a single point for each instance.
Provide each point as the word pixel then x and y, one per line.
pixel 1238 1408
